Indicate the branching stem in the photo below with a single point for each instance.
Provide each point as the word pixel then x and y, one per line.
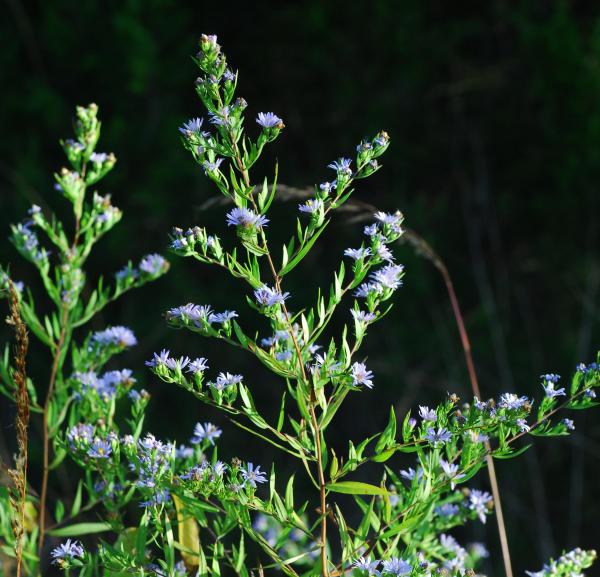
pixel 313 398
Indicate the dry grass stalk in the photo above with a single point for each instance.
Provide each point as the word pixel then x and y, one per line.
pixel 18 475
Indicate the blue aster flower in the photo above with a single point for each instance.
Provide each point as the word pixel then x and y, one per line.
pixel 364 145
pixel 225 380
pixel 193 125
pixel 427 414
pixel 381 139
pixel 439 437
pixel 363 316
pixel 269 120
pixel 197 472
pixel 100 449
pixel 219 469
pixel 447 510
pixel 569 424
pixel 268 341
pixel 179 363
pixel 190 312
pixel 197 366
pixel 222 117
pixel 253 475
pixel 451 471
pixel 228 75
pixel 357 253
pixel 117 336
pixel 366 564
pixel 110 380
pixel 158 498
pixel 282 335
pixel 327 187
pixel 326 364
pixel 126 273
pixel 410 474
pixel 311 206
pixel 479 502
pixel 80 434
pixel 396 566
pixel 551 392
pixel 342 165
pixel 394 221
pixel 371 230
pixel 361 375
pixel 153 264
pixel 283 356
pixel 206 431
pixel 512 401
pixel 98 157
pixel 241 216
pixel 384 253
pixel 267 296
pixel 158 359
pixel 367 289
pixel 209 166
pixel 388 276
pixel 222 318
pixel 66 552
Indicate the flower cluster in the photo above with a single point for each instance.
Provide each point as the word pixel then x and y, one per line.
pixel 150 267
pixel 569 564
pixel 105 386
pixel 198 316
pixel 66 552
pixel 194 506
pixel 152 461
pixel 120 337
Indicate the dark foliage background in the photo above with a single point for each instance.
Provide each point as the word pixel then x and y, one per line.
pixel 494 112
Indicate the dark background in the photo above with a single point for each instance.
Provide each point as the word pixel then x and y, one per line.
pixel 494 113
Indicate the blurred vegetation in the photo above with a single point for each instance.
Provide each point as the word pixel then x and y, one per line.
pixel 494 113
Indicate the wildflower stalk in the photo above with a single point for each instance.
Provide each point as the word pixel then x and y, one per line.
pixel 59 353
pixel 450 445
pixel 56 361
pixel 18 475
pixel 313 400
pixel 74 391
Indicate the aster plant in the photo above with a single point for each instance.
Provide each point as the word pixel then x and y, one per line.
pixel 385 506
pixel 75 391
pixel 405 513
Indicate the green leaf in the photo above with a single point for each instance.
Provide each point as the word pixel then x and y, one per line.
pixel 240 555
pixel 281 418
pixel 383 456
pixel 59 511
pixel 169 550
pixel 388 436
pixel 302 252
pixel 512 453
pixel 80 529
pixel 289 494
pixel 356 488
pixel 239 333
